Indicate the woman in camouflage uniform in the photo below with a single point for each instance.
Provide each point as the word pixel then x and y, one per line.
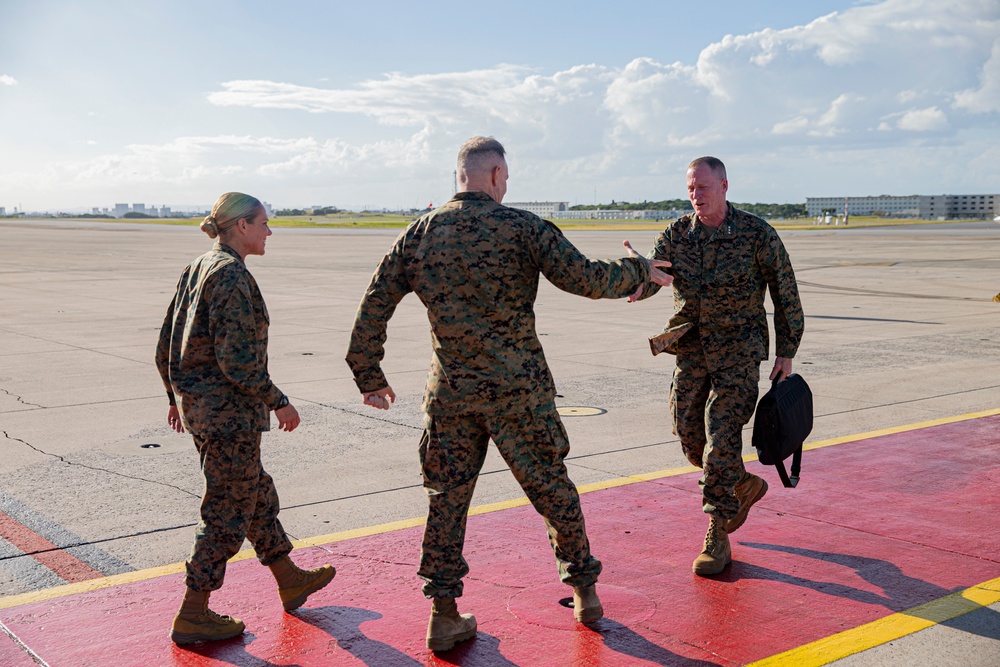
pixel 212 356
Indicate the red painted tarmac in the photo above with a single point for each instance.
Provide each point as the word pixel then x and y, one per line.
pixel 875 527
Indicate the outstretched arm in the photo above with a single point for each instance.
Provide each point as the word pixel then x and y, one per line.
pixel 656 276
pixel 571 271
pixel 659 253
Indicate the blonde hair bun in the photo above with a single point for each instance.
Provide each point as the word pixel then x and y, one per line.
pixel 209 226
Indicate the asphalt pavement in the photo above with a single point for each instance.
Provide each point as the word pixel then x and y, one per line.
pixel 901 328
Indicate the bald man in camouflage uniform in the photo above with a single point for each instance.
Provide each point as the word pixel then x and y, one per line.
pixel 722 259
pixel 475 265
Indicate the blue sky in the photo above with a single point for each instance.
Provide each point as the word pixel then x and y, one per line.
pixel 365 104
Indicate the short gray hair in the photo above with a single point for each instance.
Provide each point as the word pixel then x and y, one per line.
pixel 474 155
pixel 713 163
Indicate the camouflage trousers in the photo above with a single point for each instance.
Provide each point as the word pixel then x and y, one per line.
pixel 534 444
pixel 709 412
pixel 240 501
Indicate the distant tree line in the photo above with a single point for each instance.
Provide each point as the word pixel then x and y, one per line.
pixel 665 205
pixel 322 210
pixel 763 210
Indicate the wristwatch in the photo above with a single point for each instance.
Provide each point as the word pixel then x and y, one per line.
pixel 282 403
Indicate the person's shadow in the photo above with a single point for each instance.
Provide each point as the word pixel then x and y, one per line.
pixel 344 625
pixel 232 651
pixel 622 639
pixel 483 650
pixel 901 593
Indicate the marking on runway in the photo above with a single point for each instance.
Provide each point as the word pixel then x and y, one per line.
pixel 67 566
pixel 579 411
pixel 177 568
pixel 21 645
pixel 890 628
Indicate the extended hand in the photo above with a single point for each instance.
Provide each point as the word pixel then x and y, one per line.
pixel 379 399
pixel 655 275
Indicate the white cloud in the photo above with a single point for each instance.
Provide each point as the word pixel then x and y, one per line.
pixel 870 86
pixel 394 100
pixel 7 80
pixel 837 78
pixel 923 120
pixel 985 98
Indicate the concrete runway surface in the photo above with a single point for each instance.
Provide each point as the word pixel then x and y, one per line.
pixel 900 328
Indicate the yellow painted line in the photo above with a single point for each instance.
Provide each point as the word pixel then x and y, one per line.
pixel 367 531
pixel 890 628
pixel 90 585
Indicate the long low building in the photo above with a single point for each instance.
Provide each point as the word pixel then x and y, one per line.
pixel 927 207
pixel 543 209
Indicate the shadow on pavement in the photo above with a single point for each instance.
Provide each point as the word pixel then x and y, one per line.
pixel 344 625
pixel 230 651
pixel 902 593
pixel 621 639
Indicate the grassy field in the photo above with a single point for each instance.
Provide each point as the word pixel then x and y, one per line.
pixel 389 221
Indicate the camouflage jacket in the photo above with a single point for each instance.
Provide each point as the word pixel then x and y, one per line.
pixel 475 265
pixel 212 352
pixel 719 279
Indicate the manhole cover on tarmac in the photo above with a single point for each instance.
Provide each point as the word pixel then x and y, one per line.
pixel 540 605
pixel 579 411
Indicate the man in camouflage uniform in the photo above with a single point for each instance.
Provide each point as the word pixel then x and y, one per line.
pixel 722 260
pixel 475 265
pixel 212 358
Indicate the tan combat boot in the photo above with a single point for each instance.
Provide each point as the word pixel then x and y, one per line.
pixel 586 605
pixel 296 584
pixel 195 622
pixel 446 627
pixel 749 490
pixel 717 553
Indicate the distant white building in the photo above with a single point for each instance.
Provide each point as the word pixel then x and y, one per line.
pixel 139 208
pixel 267 209
pixel 927 207
pixel 164 211
pixel 543 209
pixel 3 210
pixel 121 210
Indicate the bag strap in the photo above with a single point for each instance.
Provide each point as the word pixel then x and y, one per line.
pixel 790 481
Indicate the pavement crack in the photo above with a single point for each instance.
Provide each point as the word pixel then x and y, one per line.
pixel 366 416
pixel 63 547
pixel 63 459
pixel 21 400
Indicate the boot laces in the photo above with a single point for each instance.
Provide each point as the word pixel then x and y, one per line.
pixel 712 537
pixel 224 619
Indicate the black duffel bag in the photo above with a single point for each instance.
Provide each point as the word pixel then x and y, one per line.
pixel 782 423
